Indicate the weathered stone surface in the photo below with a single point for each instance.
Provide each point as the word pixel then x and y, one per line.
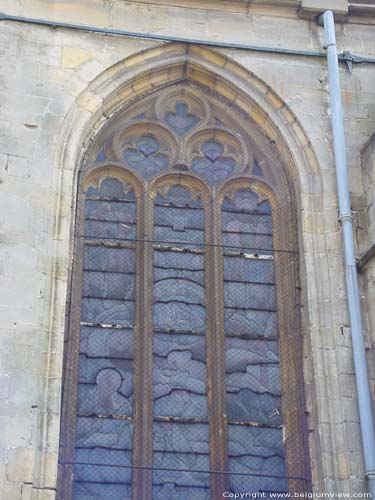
pixel 46 73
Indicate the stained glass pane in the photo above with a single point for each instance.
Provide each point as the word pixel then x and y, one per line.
pixel 181 431
pixel 213 165
pixel 145 156
pixel 104 432
pixel 181 120
pixel 255 446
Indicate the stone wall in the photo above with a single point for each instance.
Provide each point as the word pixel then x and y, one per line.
pixel 55 85
pixel 367 256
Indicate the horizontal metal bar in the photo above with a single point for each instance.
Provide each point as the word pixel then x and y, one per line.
pixel 177 420
pixel 123 223
pixel 252 337
pixel 103 242
pixel 257 309
pixel 175 205
pixel 344 57
pixel 166 247
pixel 177 301
pixel 114 199
pixel 105 271
pixel 115 299
pixel 172 242
pixel 107 325
pixel 143 467
pixel 172 331
pixel 249 282
pixel 111 358
pixel 251 256
pixel 173 268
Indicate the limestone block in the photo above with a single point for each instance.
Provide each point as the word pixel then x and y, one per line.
pixel 14 360
pixel 350 409
pixel 26 491
pixel 356 464
pixel 89 70
pixel 4 385
pixel 43 494
pixel 54 385
pixel 50 461
pixel 353 437
pixel 55 364
pixel 8 42
pixel 82 12
pixel 36 361
pixel 18 166
pixel 72 57
pixel 30 335
pixel 24 390
pixel 20 463
pixel 15 431
pixel 312 8
pixel 44 53
pixel 10 491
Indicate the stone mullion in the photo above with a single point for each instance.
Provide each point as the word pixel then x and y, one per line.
pixel 70 388
pixel 143 364
pixel 216 352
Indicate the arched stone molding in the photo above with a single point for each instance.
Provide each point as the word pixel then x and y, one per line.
pixel 123 84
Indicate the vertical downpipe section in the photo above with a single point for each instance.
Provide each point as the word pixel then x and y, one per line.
pixel 361 373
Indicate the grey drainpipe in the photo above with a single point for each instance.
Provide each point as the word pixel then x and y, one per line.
pixel 361 374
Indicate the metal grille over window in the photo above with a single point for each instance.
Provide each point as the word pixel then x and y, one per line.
pixel 104 427
pixel 183 360
pixel 181 431
pixel 255 443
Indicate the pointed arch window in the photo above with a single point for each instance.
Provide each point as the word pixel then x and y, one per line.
pixel 183 363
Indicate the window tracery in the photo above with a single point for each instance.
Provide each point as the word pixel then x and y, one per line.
pixel 186 240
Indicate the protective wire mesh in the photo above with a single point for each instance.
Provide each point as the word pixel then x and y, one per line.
pixel 262 418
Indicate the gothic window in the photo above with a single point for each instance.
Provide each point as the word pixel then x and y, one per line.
pixel 183 359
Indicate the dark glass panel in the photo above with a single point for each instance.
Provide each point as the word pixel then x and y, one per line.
pixel 180 378
pixel 103 459
pixel 181 120
pixel 240 295
pixel 101 258
pixel 246 201
pixel 256 456
pixel 107 342
pixel 105 311
pixel 110 434
pixel 111 188
pixel 213 165
pixel 146 157
pixel 249 270
pixel 108 285
pixel 101 156
pixel 182 451
pixel 255 443
pixel 250 323
pixel 104 435
pixel 102 491
pixel 257 170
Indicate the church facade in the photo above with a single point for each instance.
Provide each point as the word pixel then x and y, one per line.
pixel 174 315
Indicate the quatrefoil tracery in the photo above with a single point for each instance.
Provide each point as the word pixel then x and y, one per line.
pixel 178 128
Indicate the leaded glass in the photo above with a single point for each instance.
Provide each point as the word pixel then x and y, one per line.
pixel 253 385
pixel 103 440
